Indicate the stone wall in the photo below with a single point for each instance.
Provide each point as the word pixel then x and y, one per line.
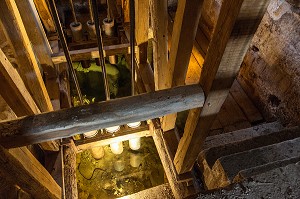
pixel 270 72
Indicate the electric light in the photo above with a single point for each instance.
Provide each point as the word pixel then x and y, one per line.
pixel 97 152
pixel 116 148
pixel 113 129
pixel 135 143
pixel 90 134
pixel 134 124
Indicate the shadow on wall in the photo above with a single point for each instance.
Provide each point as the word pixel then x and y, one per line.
pixel 270 72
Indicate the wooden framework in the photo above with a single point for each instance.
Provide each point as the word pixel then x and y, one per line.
pixel 221 52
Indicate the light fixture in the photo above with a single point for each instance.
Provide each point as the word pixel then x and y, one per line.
pixel 90 134
pixel 134 124
pixel 113 129
pixel 97 152
pixel 135 143
pixel 116 148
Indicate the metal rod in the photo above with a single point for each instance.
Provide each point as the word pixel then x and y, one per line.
pixel 132 45
pixel 108 11
pixel 100 48
pixel 65 47
pixel 73 11
pixel 91 11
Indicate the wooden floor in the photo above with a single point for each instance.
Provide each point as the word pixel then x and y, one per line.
pixel 238 112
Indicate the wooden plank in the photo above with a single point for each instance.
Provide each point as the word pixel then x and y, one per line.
pixel 141 28
pixel 19 166
pixel 18 97
pixel 70 181
pixel 77 120
pixel 183 36
pixel 245 103
pixel 179 189
pixel 15 32
pixel 224 57
pixel 91 53
pixel 35 32
pixel 45 15
pixel 159 20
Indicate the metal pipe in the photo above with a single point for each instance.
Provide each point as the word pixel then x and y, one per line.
pixel 132 44
pixel 65 47
pixel 108 11
pixel 100 48
pixel 73 11
pixel 91 11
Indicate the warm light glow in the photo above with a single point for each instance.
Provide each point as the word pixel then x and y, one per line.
pixel 135 143
pixel 135 160
pixel 90 134
pixel 134 124
pixel 116 148
pixel 119 165
pixel 113 129
pixel 97 152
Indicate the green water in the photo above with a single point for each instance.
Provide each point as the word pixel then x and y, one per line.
pixel 118 175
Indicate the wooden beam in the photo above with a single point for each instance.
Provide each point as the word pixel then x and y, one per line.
pixel 45 15
pixel 35 31
pixel 70 180
pixel 159 19
pixel 91 53
pixel 77 120
pixel 20 167
pixel 13 90
pixel 179 189
pixel 11 23
pixel 141 28
pixel 183 36
pixel 18 97
pixel 223 59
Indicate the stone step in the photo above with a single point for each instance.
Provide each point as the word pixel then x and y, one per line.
pixel 285 153
pixel 247 139
pixel 238 147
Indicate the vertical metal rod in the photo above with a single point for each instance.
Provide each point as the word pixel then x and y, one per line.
pixel 108 11
pixel 73 11
pixel 100 48
pixel 132 44
pixel 65 47
pixel 91 11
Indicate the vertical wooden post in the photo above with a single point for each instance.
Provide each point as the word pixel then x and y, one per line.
pixel 236 25
pixel 141 28
pixel 159 19
pixel 183 36
pixel 69 159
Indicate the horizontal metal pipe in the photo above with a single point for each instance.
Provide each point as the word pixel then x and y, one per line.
pixel 68 122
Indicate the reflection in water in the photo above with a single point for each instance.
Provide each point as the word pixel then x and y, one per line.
pixel 114 175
